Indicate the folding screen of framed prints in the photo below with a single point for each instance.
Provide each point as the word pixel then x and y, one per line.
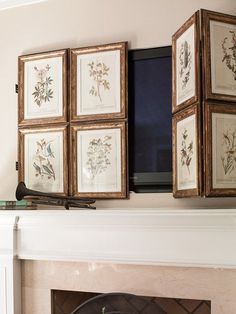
pixel 99 93
pixel 95 121
pixel 204 82
pixel 43 121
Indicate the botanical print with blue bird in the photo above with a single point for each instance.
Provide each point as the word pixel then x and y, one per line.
pixel 42 162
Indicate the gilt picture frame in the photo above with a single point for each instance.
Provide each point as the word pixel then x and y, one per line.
pixel 98 160
pixel 42 88
pixel 186 153
pixel 220 133
pixel 99 82
pixel 219 36
pixel 43 158
pixel 186 64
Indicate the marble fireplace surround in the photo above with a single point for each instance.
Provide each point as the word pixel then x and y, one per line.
pixel 166 253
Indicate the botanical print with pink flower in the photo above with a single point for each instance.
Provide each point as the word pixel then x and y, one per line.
pixel 98 82
pixel 43 88
pixel 43 91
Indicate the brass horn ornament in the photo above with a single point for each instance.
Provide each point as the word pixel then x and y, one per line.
pixel 52 199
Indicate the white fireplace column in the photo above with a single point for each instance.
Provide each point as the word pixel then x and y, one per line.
pixel 10 272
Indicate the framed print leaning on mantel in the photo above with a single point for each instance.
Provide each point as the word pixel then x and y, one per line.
pixel 99 82
pixel 43 164
pixel 219 34
pixel 220 159
pixel 99 160
pixel 42 88
pixel 186 64
pixel 186 153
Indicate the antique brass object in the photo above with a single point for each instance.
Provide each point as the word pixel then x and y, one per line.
pixel 52 199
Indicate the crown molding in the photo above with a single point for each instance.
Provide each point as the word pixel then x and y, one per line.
pixel 8 4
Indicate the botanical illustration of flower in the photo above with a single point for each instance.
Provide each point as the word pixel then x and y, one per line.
pixel 98 153
pixel 228 156
pixel 229 51
pixel 98 71
pixel 42 91
pixel 186 150
pixel 42 160
pixel 185 60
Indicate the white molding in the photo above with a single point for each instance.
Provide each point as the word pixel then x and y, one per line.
pixel 3 291
pixel 193 238
pixel 9 4
pixel 10 272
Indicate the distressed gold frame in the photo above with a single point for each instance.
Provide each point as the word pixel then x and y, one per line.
pixel 179 116
pixel 21 73
pixel 193 20
pixel 74 164
pixel 122 46
pixel 208 16
pixel 21 150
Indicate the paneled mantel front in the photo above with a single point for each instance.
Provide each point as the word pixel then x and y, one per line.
pixel 192 238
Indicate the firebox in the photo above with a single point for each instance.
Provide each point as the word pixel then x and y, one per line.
pixel 73 302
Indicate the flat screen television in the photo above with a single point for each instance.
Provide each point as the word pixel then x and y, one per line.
pixel 150 134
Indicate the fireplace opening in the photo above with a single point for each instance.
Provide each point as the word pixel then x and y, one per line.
pixel 77 302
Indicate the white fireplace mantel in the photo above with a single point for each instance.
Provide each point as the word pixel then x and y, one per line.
pixel 192 238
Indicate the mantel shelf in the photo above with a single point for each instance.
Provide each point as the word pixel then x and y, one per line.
pixel 194 238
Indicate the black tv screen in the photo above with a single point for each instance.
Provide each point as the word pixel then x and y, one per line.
pixel 150 134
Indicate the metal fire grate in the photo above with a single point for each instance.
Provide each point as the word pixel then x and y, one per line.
pixel 118 303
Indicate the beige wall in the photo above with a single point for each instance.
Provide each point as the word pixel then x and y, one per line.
pixel 58 24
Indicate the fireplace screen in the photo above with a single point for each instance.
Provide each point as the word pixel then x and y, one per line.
pixel 79 302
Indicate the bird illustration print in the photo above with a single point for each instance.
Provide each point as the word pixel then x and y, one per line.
pixel 43 160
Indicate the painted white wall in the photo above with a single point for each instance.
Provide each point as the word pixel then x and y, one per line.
pixel 58 24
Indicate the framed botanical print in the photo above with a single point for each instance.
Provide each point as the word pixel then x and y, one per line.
pixel 99 82
pixel 219 34
pixel 186 64
pixel 43 164
pixel 220 161
pixel 186 153
pixel 42 88
pixel 98 159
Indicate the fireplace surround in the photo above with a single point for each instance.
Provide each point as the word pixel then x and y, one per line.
pixel 186 254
